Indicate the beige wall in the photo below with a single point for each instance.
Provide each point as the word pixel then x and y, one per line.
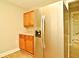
pixel 11 24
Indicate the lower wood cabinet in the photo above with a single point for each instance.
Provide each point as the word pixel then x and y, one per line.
pixel 26 42
pixel 22 42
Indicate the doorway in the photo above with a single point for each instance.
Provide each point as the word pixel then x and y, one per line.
pixel 74 29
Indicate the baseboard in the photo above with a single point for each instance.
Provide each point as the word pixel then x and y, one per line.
pixel 9 52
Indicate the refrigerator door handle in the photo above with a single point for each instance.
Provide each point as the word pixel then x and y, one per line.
pixel 42 31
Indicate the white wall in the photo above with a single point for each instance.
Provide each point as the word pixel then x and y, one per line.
pixel 11 24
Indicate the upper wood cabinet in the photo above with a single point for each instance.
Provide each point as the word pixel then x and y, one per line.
pixel 29 19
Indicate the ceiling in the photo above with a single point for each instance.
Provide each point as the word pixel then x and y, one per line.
pixel 30 4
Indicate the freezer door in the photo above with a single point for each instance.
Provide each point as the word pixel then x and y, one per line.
pixel 38 35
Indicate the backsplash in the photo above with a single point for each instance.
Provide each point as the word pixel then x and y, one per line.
pixel 29 30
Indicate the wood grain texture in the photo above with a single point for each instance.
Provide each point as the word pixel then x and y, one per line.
pixel 29 19
pixel 30 44
pixel 26 42
pixel 22 42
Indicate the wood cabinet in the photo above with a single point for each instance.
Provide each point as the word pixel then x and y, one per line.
pixel 26 42
pixel 29 19
pixel 22 42
pixel 29 44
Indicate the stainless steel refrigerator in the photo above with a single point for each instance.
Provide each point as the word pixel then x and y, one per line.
pixel 49 31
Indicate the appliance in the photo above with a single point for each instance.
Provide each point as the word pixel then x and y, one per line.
pixel 49 32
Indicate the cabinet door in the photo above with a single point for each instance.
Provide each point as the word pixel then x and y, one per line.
pixel 22 42
pixel 30 44
pixel 29 19
pixel 26 19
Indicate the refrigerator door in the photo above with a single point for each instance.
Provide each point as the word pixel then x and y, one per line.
pixel 38 35
pixel 51 42
pixel 54 34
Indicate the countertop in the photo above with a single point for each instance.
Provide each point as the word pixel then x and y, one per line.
pixel 27 34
